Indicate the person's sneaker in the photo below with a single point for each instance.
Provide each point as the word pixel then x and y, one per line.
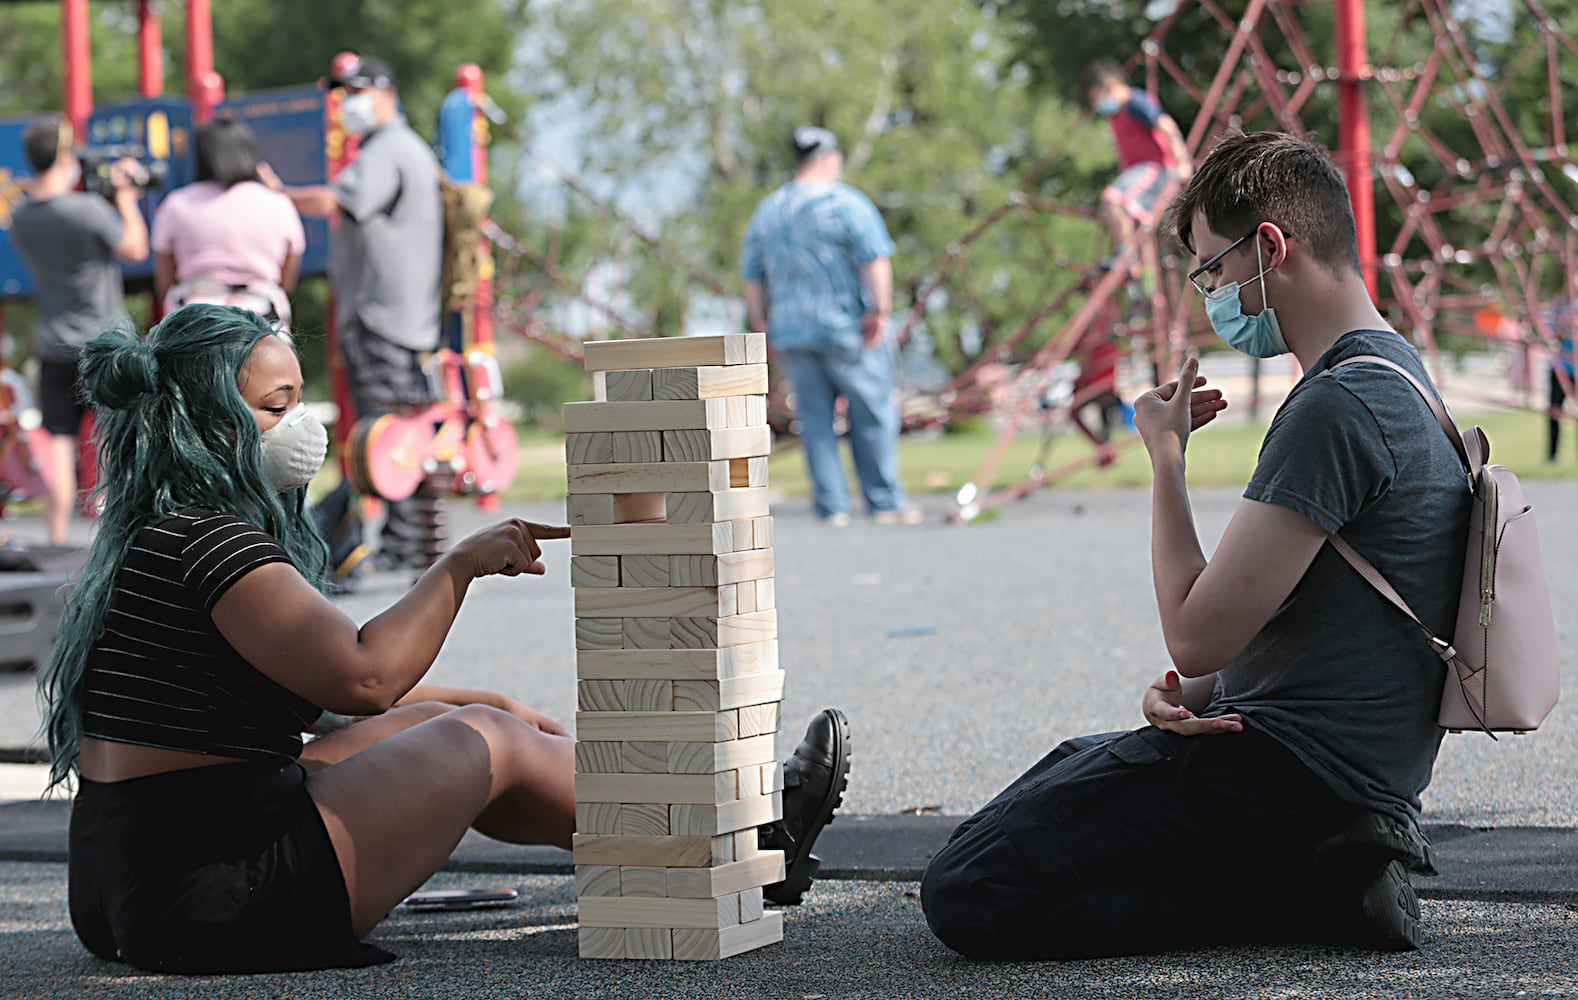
pixel 836 520
pixel 1373 838
pixel 814 781
pixel 898 515
pixel 1390 909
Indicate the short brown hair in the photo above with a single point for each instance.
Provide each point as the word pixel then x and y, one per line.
pixel 1271 177
pixel 1098 72
pixel 44 141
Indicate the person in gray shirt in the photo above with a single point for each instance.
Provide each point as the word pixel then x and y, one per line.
pixel 385 260
pixel 70 241
pixel 1297 726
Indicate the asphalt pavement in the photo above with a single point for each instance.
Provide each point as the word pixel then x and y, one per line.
pixel 960 653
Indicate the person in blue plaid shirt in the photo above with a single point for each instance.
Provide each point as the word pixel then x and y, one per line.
pixel 817 265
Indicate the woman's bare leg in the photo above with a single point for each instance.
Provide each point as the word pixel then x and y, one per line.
pixel 397 808
pixel 352 740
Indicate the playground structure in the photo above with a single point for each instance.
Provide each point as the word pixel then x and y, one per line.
pixel 1475 234
pixel 457 443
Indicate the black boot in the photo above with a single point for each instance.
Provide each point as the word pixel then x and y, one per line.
pixel 814 782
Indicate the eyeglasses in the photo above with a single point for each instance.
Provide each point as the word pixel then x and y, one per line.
pixel 1194 276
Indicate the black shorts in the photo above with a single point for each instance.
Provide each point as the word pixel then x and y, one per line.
pixel 220 869
pixel 60 398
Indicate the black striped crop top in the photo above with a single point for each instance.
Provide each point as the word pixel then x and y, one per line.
pixel 162 675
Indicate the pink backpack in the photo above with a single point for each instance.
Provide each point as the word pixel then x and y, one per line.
pixel 1503 673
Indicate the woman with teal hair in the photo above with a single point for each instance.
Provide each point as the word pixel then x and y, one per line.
pixel 195 649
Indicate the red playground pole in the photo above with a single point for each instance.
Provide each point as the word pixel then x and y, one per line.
pixel 1353 129
pixel 204 87
pixel 150 51
pixel 79 64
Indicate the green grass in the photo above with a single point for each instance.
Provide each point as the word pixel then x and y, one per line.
pixel 1220 455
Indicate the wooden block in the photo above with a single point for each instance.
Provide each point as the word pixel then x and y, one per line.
pixel 713 758
pixel 713 571
pixel 600 386
pixel 629 386
pixel 600 817
pixel 766 595
pixel 748 782
pixel 638 446
pixel 751 907
pixel 652 539
pixel 743 535
pixel 600 696
pixel 591 508
pixel 649 695
pixel 772 777
pixel 641 819
pixel 696 944
pixel 647 633
pixel 762 868
pixel 640 508
pixel 748 846
pixel 601 942
pixel 645 602
pixel 739 411
pixel 603 880
pixel 588 449
pixel 728 599
pixel 643 881
pixel 644 756
pixel 666 852
pixel 762 532
pixel 676 352
pixel 707 633
pixel 709 381
pixel 600 633
pixel 678 664
pixel 756 720
pixel 744 597
pixel 603 911
pixel 650 477
pixel 755 474
pixel 700 507
pixel 711 820
pixel 644 571
pixel 596 571
pixel 703 445
pixel 651 788
pixel 668 727
pixel 659 415
pixel 594 757
pixel 649 942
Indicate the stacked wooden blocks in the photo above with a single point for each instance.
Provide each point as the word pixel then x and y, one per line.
pixel 676 649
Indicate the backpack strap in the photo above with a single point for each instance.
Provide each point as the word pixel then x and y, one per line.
pixel 1473 449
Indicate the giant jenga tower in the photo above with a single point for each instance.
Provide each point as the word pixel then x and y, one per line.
pixel 676 649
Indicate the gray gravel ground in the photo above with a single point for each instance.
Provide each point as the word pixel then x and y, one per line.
pixel 1041 625
pixel 849 940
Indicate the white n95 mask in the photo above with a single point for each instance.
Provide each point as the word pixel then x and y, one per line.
pixel 294 449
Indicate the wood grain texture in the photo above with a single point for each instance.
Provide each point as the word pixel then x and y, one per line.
pixel 675 352
pixel 703 445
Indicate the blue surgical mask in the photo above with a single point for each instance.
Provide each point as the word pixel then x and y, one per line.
pixel 1106 107
pixel 1258 336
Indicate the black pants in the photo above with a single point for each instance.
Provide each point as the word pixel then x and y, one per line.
pixel 1554 420
pixel 1134 843
pixel 383 376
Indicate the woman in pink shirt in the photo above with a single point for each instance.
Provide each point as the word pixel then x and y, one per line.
pixel 226 238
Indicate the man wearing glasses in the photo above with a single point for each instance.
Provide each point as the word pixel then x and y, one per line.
pixel 1296 729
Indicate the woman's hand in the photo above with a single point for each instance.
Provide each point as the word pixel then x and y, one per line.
pixel 508 548
pixel 1163 707
pixel 1164 411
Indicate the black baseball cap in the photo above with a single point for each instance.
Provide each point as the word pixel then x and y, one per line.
pixel 364 72
pixel 810 140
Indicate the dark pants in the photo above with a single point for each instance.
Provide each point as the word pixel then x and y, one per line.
pixel 383 376
pixel 1554 421
pixel 1133 843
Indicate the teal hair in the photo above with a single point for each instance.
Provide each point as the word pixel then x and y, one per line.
pixel 173 432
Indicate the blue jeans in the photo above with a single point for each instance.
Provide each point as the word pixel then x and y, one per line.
pixel 865 377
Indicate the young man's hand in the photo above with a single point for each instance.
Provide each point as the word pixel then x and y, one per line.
pixel 1165 412
pixel 1163 708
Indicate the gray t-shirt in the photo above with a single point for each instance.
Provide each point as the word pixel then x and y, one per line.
pixel 388 250
pixel 68 244
pixel 1338 675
